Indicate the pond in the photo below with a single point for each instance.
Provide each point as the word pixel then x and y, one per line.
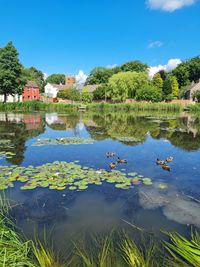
pixel 55 171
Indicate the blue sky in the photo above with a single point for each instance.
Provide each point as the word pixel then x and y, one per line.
pixel 68 35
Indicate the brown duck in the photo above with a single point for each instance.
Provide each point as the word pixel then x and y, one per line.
pixel 113 165
pixel 166 168
pixel 121 160
pixel 169 159
pixel 160 162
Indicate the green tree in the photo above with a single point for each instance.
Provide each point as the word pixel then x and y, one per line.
pixel 149 93
pixel 71 94
pixel 194 69
pixel 32 74
pixel 170 88
pixel 158 81
pixel 182 74
pixel 135 65
pixel 100 75
pixel 100 92
pixel 56 78
pixel 86 96
pixel 124 85
pixel 11 81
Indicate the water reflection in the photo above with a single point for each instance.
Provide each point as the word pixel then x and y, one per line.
pixel 17 129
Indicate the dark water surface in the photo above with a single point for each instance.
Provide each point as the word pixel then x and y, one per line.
pixel 139 138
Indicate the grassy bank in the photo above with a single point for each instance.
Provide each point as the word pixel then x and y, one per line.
pixel 194 108
pixel 135 106
pixel 40 106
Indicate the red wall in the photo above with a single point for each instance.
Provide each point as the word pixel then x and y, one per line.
pixel 30 94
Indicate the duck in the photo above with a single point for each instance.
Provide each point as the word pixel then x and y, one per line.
pixel 166 167
pixel 121 160
pixel 160 162
pixel 169 159
pixel 110 154
pixel 113 165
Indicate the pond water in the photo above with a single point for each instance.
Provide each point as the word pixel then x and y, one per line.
pixel 171 201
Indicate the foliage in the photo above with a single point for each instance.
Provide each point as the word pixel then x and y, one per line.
pixel 170 88
pixel 99 75
pixel 13 250
pixel 32 74
pixel 56 78
pixel 158 81
pixel 188 71
pixel 183 251
pixel 124 85
pixel 149 93
pixel 100 92
pixel 11 81
pixel 197 96
pixel 135 65
pixel 86 96
pixel 71 94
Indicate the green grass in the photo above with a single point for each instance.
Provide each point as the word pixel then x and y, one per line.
pixel 40 106
pixel 184 252
pixel 135 106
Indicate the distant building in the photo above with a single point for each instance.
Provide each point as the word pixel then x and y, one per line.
pixel 11 98
pixel 91 87
pixel 51 90
pixel 70 81
pixel 31 91
pixel 189 94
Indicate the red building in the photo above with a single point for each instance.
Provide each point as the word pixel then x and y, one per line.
pixel 31 92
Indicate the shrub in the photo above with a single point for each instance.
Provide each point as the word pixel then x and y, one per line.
pixel 197 96
pixel 71 94
pixel 149 93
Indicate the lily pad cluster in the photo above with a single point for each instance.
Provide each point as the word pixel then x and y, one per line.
pixel 63 141
pixel 5 144
pixel 60 175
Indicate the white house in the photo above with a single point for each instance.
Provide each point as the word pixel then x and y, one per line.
pixel 51 90
pixel 11 98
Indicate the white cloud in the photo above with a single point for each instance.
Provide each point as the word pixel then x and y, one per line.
pixel 111 66
pixel 169 5
pixel 171 64
pixel 81 77
pixel 45 75
pixel 155 44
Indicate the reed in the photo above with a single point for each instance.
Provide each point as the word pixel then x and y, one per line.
pixel 41 106
pixel 135 106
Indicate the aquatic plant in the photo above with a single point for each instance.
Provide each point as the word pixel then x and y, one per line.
pixel 63 141
pixel 60 175
pixel 183 251
pixel 13 250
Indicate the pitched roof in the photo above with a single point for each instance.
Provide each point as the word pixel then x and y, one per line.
pixel 92 87
pixel 31 84
pixel 62 86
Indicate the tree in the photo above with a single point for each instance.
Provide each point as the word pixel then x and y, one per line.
pixel 149 93
pixel 33 74
pixel 194 69
pixel 124 85
pixel 71 94
pixel 158 81
pixel 11 81
pixel 100 92
pixel 56 78
pixel 99 75
pixel 163 74
pixel 86 96
pixel 170 88
pixel 182 74
pixel 135 65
